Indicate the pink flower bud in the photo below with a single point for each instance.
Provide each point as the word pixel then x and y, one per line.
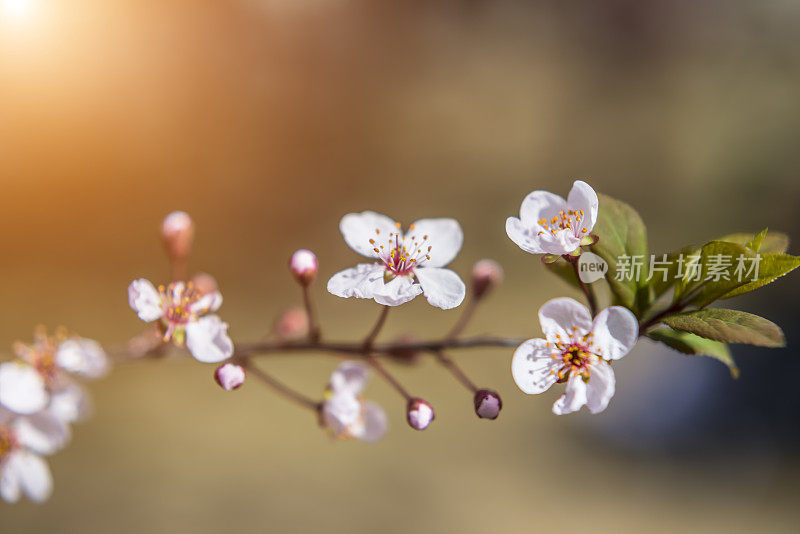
pixel 229 376
pixel 291 325
pixel 204 283
pixel 177 230
pixel 488 404
pixel 485 275
pixel 419 414
pixel 304 266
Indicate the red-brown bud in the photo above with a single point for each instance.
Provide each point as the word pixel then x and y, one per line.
pixel 485 275
pixel 488 404
pixel 419 414
pixel 304 266
pixel 177 230
pixel 291 325
pixel 403 354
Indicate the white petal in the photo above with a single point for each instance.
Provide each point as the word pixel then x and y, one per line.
pixel 350 377
pixel 341 412
pixel 532 365
pixel 559 316
pixel 358 228
pixel 207 339
pixel 540 205
pixel 35 479
pixel 444 239
pixel 615 331
pixel 71 403
pixel 563 242
pixel 42 433
pixel 583 197
pixel 145 300
pixel 442 287
pixel 525 237
pixel 600 388
pixel 399 291
pixel 22 389
pixel 9 479
pixel 84 357
pixel 210 302
pixel 573 398
pixel 375 424
pixel 359 281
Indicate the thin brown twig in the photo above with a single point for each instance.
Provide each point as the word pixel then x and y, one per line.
pixel 278 386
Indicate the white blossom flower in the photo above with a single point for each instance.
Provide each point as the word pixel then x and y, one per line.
pixel 577 351
pixel 40 378
pixel 345 413
pixel 548 224
pixel 185 316
pixel 23 442
pixel 407 264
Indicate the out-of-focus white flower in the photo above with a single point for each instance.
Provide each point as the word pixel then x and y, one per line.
pixel 345 412
pixel 577 350
pixel 229 376
pixel 304 266
pixel 548 224
pixel 419 414
pixel 23 442
pixel 40 379
pixel 408 264
pixel 186 316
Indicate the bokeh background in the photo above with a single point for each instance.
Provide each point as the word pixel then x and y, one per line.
pixel 268 120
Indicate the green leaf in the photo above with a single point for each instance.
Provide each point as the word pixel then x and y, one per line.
pixel 755 244
pixel 729 326
pixel 659 283
pixel 621 232
pixel 688 343
pixel 770 268
pixel 771 243
pixel 715 273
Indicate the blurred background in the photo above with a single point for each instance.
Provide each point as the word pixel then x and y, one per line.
pixel 268 120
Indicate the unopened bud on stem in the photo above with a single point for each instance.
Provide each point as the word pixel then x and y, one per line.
pixel 229 376
pixel 487 404
pixel 485 275
pixel 403 354
pixel 304 266
pixel 419 414
pixel 291 325
pixel 177 230
pixel 204 283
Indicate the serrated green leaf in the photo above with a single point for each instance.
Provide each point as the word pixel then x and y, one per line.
pixel 715 274
pixel 755 244
pixel 688 343
pixel 728 326
pixel 770 268
pixel 621 233
pixel 772 243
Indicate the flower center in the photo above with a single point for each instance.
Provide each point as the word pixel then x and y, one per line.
pixel 179 298
pixel 401 255
pixel 564 220
pixel 8 442
pixel 574 355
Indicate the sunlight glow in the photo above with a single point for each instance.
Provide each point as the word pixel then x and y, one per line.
pixel 16 9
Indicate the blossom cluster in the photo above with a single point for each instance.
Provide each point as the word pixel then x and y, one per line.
pixel 40 398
